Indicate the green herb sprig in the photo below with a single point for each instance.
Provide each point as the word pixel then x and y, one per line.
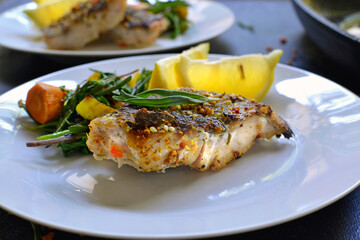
pixel 165 98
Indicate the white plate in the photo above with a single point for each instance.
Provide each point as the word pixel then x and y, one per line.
pixel 276 181
pixel 210 19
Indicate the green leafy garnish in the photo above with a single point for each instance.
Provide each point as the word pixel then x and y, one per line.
pixel 142 82
pixel 174 11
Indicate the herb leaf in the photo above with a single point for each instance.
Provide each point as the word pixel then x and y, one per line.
pixel 245 26
pixel 166 98
pixel 142 82
pixel 164 93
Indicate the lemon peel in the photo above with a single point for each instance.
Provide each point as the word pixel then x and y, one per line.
pixel 166 71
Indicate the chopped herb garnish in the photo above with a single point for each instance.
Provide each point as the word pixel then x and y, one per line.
pixel 245 26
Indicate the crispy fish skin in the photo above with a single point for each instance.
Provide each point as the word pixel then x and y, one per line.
pixel 139 27
pixel 202 136
pixel 85 23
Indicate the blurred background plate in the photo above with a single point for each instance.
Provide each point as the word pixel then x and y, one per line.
pixel 322 20
pixel 209 19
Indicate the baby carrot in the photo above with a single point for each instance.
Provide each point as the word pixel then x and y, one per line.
pixel 44 102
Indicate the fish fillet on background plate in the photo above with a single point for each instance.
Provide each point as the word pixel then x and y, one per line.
pixel 202 136
pixel 85 23
pixel 139 27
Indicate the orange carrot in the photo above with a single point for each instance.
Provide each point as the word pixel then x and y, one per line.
pixel 116 151
pixel 49 236
pixel 44 102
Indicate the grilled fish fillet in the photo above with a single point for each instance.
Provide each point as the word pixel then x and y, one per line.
pixel 85 23
pixel 139 27
pixel 202 136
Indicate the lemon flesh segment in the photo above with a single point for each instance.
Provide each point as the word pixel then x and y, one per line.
pixel 166 70
pixel 250 75
pixel 50 11
pixel 134 79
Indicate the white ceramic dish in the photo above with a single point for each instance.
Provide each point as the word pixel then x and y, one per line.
pixel 210 19
pixel 276 181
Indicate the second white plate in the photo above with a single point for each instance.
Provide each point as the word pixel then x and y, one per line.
pixel 209 19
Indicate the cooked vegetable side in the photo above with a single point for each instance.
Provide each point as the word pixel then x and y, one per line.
pixel 91 99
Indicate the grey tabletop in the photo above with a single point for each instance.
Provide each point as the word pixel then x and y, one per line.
pixel 275 25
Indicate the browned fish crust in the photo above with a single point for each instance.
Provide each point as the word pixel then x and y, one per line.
pixel 79 13
pixel 213 117
pixel 202 136
pixel 139 27
pixel 139 18
pixel 85 22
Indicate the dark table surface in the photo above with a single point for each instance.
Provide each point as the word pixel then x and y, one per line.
pixel 271 21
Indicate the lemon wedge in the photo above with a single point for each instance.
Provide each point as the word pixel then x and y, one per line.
pixel 250 75
pixel 50 10
pixel 90 108
pixel 166 71
pixel 44 1
pixel 134 79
